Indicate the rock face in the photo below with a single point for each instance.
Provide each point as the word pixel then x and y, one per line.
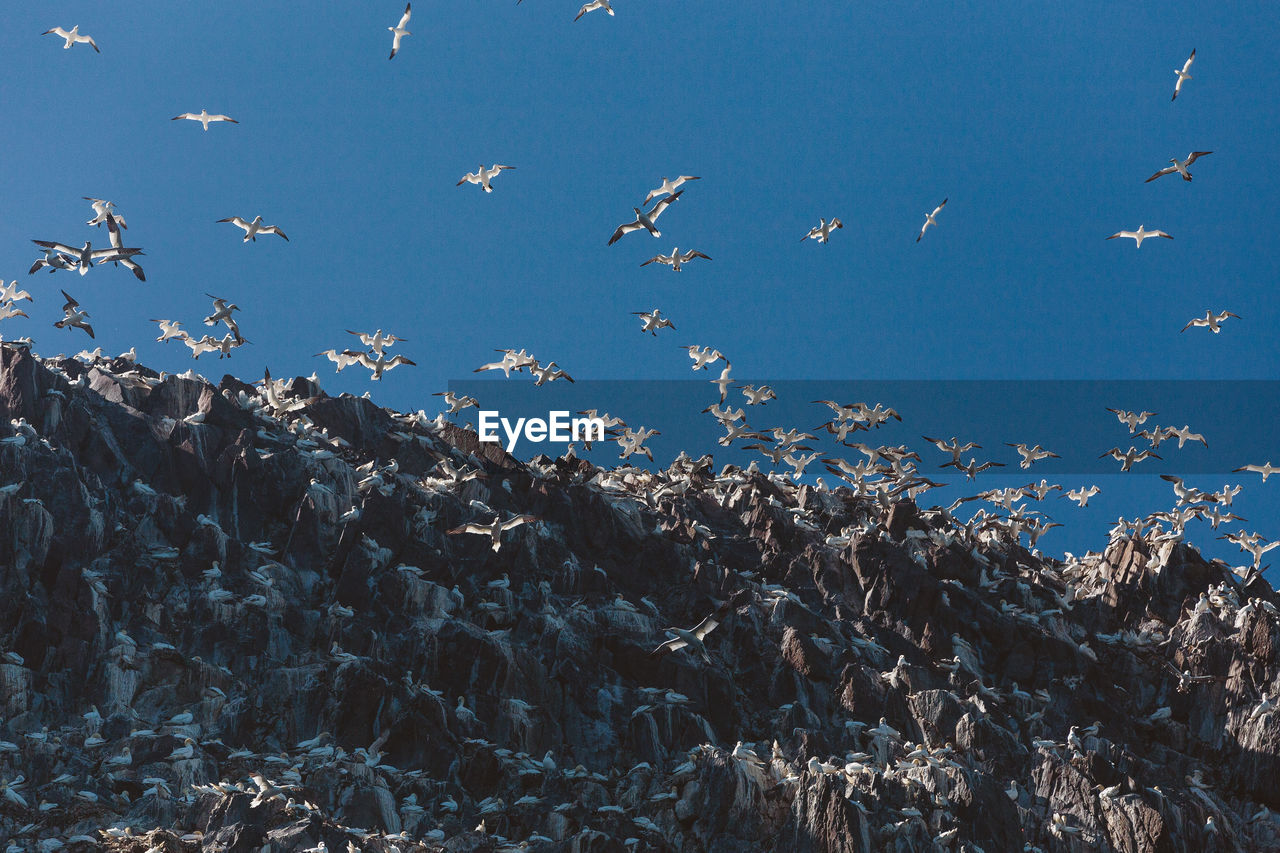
pixel 234 617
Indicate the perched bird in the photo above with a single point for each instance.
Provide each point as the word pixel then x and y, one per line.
pixel 398 32
pixel 695 635
pixel 75 37
pixel 653 321
pixel 1183 75
pixel 822 231
pixel 675 260
pixel 593 5
pixel 254 228
pixel 74 316
pixel 645 220
pixel 204 117
pixel 1140 235
pixel 930 219
pixel 1211 320
pixel 1179 166
pixel 669 186
pixel 483 176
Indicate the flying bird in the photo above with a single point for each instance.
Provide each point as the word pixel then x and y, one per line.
pixel 204 117
pixel 1140 235
pixel 495 528
pixel 377 340
pixel 11 293
pixel 1031 455
pixel 822 231
pixel 170 329
pixel 85 255
pixel 669 186
pixel 343 359
pixel 399 32
pixel 645 220
pixel 593 5
pixel 675 260
pixel 1211 320
pixel 1132 419
pixel 483 176
pixel 101 207
pixel 694 636
pixel 222 311
pixel 74 316
pixel 1179 166
pixel 1128 458
pixel 1265 470
pixel 117 243
pixel 653 321
pixel 931 220
pixel 1183 76
pixel 382 363
pixel 254 228
pixel 75 37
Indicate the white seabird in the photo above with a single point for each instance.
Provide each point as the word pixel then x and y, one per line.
pixel 169 329
pixel 822 231
pixel 483 176
pixel 204 117
pixel 382 363
pixel 101 207
pixel 1140 235
pixel 1179 166
pixel 645 220
pixel 1265 470
pixel 74 316
pixel 1128 458
pixel 675 260
pixel 653 321
pixel 222 311
pixel 85 255
pixel 75 37
pixel 695 635
pixel 377 340
pixel 1211 320
pixel 11 293
pixel 930 219
pixel 669 186
pixel 1183 75
pixel 254 228
pixel 494 528
pixel 593 5
pixel 117 242
pixel 398 32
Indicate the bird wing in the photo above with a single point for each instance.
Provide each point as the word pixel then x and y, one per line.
pixel 185 115
pixel 626 228
pixel 1195 155
pixel 663 205
pixel 57 247
pixel 517 520
pixel 672 645
pixel 404 19
pixel 709 624
pixel 273 229
pixel 1164 171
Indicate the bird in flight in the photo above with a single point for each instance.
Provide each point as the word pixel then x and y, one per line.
pixel 1265 470
pixel 645 220
pixel 74 315
pixel 204 117
pixel 254 228
pixel 1129 457
pixel 1179 166
pixel 382 363
pixel 669 186
pixel 101 207
pixel 495 528
pixel 653 321
pixel 85 255
pixel 399 32
pixel 117 242
pixel 1140 235
pixel 930 220
pixel 675 260
pixel 483 176
pixel 1183 76
pixel 1133 420
pixel 222 311
pixel 593 5
pixel 822 231
pixel 73 37
pixel 694 636
pixel 1211 320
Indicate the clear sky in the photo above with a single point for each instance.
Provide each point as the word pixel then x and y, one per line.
pixel 1039 126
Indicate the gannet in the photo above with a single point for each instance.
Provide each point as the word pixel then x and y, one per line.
pixel 11 293
pixel 1179 166
pixel 1184 435
pixel 930 220
pixel 199 346
pixel 74 37
pixel 169 329
pixel 702 356
pixel 222 311
pixel 1129 457
pixel 74 316
pixel 382 363
pixel 973 469
pixel 456 403
pixel 695 635
pixel 187 750
pixel 1139 235
pixel 117 243
pixel 653 321
pixel 102 207
pixel 1183 76
pixel 675 260
pixel 669 186
pixel 54 260
pixel 1132 419
pixel 1265 470
pixel 1081 496
pixel 494 528
pixel 254 228
pixel 1031 455
pixel 377 340
pixel 483 176
pixel 7 310
pixel 398 32
pixel 822 231
pixel 548 373
pixel 645 220
pixel 758 396
pixel 204 117
pixel 1211 320
pixel 85 255
pixel 593 5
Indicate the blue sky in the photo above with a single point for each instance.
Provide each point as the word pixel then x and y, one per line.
pixel 1039 127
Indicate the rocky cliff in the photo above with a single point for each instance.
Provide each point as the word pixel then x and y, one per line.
pixel 235 617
